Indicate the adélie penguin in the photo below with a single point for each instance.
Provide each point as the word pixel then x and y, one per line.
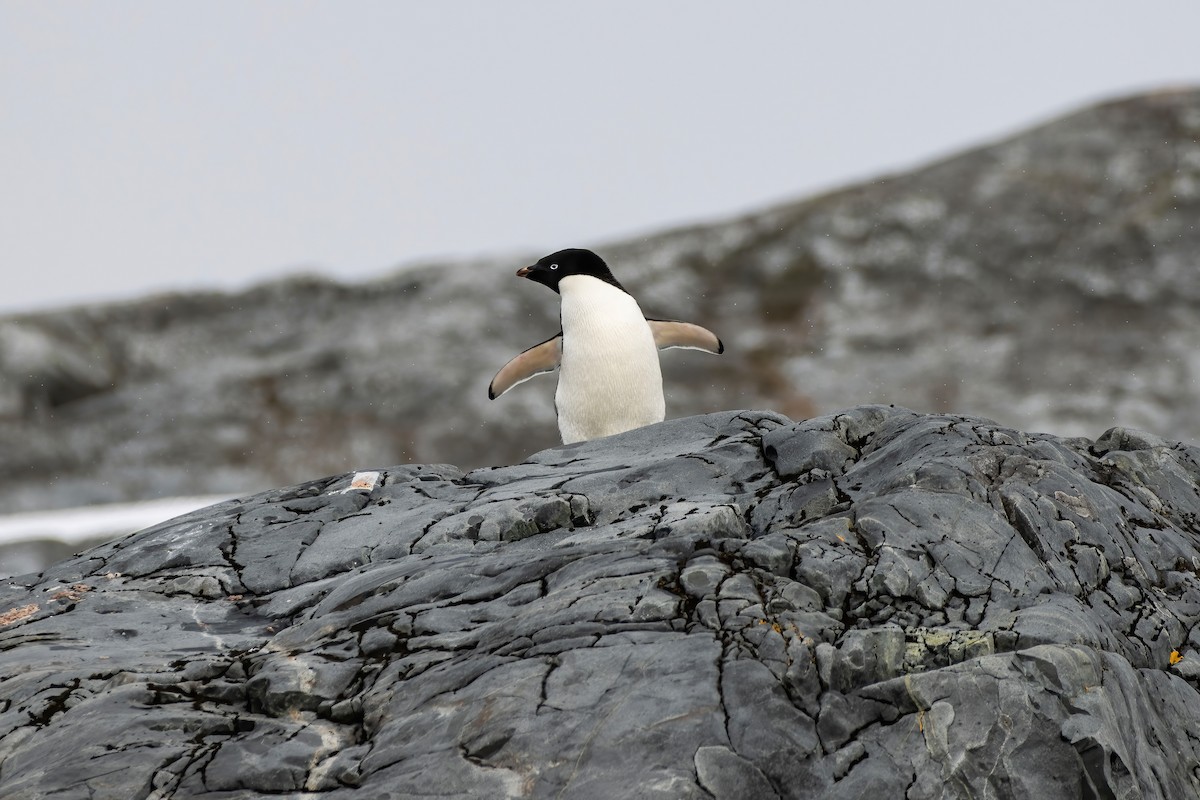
pixel 606 353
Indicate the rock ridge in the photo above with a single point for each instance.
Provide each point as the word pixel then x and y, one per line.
pixel 729 605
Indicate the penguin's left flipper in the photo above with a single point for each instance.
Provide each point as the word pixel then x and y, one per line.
pixel 540 358
pixel 672 333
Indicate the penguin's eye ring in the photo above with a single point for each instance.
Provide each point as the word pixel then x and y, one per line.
pixel 554 266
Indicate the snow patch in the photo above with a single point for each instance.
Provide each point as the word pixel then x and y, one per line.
pixel 85 523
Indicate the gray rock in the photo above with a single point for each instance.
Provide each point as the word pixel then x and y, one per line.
pixel 727 776
pixel 1048 281
pixel 981 612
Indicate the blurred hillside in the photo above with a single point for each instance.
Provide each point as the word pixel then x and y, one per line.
pixel 1050 281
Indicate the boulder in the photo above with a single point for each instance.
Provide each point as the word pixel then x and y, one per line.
pixel 872 603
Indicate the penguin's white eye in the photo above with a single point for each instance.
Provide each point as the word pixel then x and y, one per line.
pixel 554 266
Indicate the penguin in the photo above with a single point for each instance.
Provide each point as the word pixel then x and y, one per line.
pixel 606 350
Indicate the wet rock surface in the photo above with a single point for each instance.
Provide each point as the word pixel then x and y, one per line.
pixel 873 603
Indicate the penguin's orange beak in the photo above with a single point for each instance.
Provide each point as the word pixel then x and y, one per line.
pixel 523 271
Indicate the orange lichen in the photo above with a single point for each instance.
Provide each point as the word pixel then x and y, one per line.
pixel 18 614
pixel 73 594
pixel 1175 657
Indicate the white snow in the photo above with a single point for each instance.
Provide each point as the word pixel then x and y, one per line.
pixel 74 525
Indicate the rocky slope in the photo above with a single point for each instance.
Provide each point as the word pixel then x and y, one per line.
pixel 877 603
pixel 1050 281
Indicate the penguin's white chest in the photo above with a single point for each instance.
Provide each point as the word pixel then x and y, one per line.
pixel 609 378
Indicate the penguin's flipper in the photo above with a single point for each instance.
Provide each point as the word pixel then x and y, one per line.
pixel 672 333
pixel 540 358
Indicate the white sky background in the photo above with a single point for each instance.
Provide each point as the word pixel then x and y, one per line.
pixel 154 145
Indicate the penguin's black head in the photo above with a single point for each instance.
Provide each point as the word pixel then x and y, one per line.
pixel 572 261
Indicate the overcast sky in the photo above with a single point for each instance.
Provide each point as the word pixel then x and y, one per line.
pixel 154 145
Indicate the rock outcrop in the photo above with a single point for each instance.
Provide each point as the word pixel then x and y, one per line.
pixel 877 603
pixel 1050 281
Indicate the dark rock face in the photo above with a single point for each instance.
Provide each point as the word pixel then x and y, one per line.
pixel 1050 281
pixel 877 603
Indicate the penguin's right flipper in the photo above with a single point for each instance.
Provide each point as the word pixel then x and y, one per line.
pixel 688 335
pixel 540 358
